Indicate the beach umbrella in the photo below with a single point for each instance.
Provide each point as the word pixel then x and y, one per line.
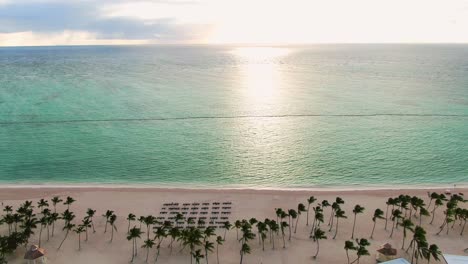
pixel 386 252
pixel 34 253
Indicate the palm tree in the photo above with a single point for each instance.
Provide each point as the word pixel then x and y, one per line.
pixel 378 214
pixel 300 208
pixel 334 207
pixel 68 226
pixel 349 245
pixel 197 256
pixel 133 235
pixel 174 232
pixel 433 251
pixel 148 244
pixel 55 200
pixel 237 225
pixel 86 223
pixel 318 218
pixel 43 222
pixel 219 241
pixel 90 214
pixel 80 229
pixel 432 196
pixel 423 212
pixel 274 228
pixel 406 224
pixel 160 234
pixel 438 202
pixel 149 220
pixel 310 201
pixel 107 215
pixel 357 210
pixel 283 225
pixel 396 214
pixel 112 220
pixel 53 217
pixel 226 227
pixel 338 214
pixel 142 218
pixel 208 246
pixel 361 249
pixel 291 214
pixel 318 235
pixel 262 233
pixel 464 217
pixel 449 213
pixel 389 202
pixel 131 217
pixel 42 203
pixel 68 202
pixel 246 236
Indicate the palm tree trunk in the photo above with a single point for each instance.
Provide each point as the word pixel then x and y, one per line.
pixel 40 234
pixel 318 248
pixel 217 254
pixel 308 207
pixel 404 238
pixel 136 248
pixel 347 255
pixel 336 231
pixel 225 231
pixel 273 240
pixel 373 228
pixel 128 229
pixel 289 228
pixel 297 221
pixel 66 234
pixel 242 255
pixel 463 228
pixel 53 227
pixel 354 225
pixel 393 225
pixel 206 255
pixel 433 215
pixel 147 254
pixel 133 251
pixel 112 233
pixel 79 241
pixel 105 228
pixel 48 233
pixel 86 230
pixel 284 242
pixel 92 224
pixel 386 217
pixel 331 219
pixel 157 255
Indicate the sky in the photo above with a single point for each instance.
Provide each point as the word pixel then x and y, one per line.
pixel 94 22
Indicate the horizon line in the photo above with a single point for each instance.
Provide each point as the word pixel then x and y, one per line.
pixel 241 44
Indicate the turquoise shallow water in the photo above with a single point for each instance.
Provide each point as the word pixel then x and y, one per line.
pixel 297 116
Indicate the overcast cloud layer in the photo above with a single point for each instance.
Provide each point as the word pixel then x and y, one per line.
pixel 71 22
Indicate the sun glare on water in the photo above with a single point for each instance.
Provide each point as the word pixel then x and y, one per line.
pixel 259 73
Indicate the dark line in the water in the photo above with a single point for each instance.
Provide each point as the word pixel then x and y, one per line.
pixel 221 117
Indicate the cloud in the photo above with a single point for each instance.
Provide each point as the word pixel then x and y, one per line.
pixel 63 38
pixel 72 18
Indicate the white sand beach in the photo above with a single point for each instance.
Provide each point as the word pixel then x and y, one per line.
pixel 260 204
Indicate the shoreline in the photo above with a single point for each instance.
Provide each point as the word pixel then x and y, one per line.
pixel 187 187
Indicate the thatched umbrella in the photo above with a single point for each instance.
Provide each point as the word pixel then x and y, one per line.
pixel 386 252
pixel 34 253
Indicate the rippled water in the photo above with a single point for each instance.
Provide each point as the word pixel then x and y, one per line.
pixel 235 116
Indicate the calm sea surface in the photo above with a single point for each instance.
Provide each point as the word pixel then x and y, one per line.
pixel 322 115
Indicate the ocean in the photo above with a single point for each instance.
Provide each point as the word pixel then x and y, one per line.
pixel 235 116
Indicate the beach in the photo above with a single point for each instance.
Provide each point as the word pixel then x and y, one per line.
pixel 245 204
